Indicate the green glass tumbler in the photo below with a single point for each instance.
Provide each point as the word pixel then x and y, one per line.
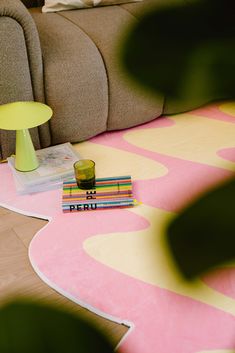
pixel 84 171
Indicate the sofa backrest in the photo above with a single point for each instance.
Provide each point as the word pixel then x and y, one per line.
pixel 33 3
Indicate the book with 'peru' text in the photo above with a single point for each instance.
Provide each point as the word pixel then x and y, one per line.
pixel 110 192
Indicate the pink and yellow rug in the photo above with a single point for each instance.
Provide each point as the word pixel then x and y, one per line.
pixel 115 262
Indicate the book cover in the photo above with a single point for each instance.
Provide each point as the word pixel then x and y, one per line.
pixel 55 164
pixel 110 192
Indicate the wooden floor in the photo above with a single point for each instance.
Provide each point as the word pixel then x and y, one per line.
pixel 18 278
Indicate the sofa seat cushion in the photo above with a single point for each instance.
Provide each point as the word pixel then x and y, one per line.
pixel 75 80
pixel 84 83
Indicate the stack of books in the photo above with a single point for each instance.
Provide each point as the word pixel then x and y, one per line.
pixel 55 165
pixel 111 192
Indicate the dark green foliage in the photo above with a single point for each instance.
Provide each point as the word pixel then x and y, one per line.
pixel 186 52
pixel 30 327
pixel 203 235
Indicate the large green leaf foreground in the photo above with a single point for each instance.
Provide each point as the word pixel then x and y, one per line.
pixel 203 235
pixel 185 51
pixel 27 327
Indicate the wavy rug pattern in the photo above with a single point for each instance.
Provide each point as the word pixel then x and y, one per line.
pixel 115 262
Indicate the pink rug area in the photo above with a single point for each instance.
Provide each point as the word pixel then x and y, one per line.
pixel 115 262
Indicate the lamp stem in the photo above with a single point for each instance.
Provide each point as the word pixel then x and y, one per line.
pixel 25 159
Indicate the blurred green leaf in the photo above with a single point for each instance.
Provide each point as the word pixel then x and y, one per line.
pixel 30 327
pixel 203 235
pixel 186 51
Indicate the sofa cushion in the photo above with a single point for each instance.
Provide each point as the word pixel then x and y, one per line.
pixel 75 79
pixel 129 104
pixel 84 82
pixel 61 5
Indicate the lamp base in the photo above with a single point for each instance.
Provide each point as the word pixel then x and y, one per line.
pixel 25 159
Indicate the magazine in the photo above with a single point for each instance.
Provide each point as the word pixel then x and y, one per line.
pixel 55 165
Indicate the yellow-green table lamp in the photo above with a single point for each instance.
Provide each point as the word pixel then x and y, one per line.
pixel 21 116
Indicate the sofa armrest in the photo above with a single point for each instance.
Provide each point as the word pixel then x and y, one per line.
pixel 21 70
pixel 23 36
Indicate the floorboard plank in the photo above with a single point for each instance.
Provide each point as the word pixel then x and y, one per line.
pixel 18 279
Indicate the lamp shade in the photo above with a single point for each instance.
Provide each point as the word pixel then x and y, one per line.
pixel 23 115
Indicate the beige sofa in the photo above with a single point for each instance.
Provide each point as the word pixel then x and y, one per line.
pixel 69 60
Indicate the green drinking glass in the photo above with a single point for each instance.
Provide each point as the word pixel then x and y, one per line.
pixel 84 171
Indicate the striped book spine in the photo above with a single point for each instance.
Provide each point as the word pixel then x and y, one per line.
pixel 108 192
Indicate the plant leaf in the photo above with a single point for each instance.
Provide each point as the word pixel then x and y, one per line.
pixel 203 235
pixel 185 52
pixel 27 327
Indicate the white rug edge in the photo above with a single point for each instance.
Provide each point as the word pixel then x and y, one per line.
pixel 52 285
